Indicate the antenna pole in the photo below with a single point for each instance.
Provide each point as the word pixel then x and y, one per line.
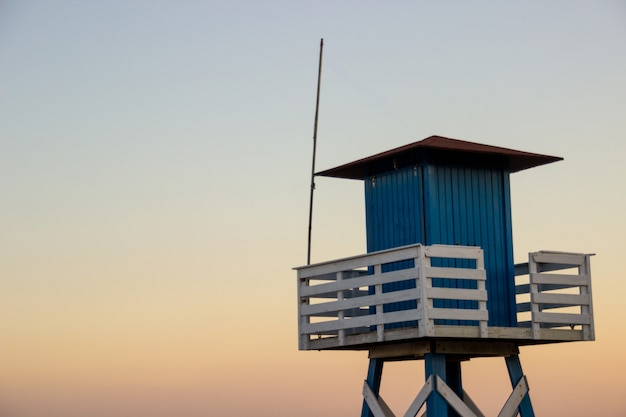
pixel 317 107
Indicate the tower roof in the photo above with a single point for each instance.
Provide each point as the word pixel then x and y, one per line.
pixel 413 152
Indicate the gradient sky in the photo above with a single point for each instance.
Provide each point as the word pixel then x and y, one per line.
pixel 154 185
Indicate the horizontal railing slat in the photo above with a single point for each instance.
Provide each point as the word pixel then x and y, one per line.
pixel 350 292
pixel 455 252
pixel 525 307
pixel 548 325
pixel 457 294
pixel 361 261
pixel 561 299
pixel 350 312
pixel 455 273
pixel 525 288
pixel 560 279
pixel 364 281
pixel 565 318
pixel 457 314
pixel 573 259
pixel 371 320
pixel 367 301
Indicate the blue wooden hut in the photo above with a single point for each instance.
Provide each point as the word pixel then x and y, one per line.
pixel 439 282
pixel 446 191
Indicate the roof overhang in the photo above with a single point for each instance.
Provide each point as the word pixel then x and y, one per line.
pixel 412 153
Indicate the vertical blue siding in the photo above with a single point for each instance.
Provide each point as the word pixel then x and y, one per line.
pixel 394 217
pixel 470 206
pixel 394 209
pixel 444 201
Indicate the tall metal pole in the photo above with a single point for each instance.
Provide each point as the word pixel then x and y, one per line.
pixel 317 107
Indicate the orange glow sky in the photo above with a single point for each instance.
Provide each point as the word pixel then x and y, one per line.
pixel 154 174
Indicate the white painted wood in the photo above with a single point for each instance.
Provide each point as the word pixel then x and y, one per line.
pixel 472 405
pixel 457 294
pixel 534 289
pixel 456 331
pixel 482 304
pixel 426 325
pixel 386 410
pixel 470 332
pixel 588 330
pixel 363 321
pixel 457 314
pixel 562 279
pixel 453 251
pixel 360 261
pixel 451 398
pixel 334 307
pixel 377 406
pixel 548 281
pixel 563 258
pixel 364 281
pixel 562 335
pixel 561 300
pixel 511 405
pixel 303 320
pixel 380 319
pixel 455 273
pixel 420 399
pixel 563 318
pixel 366 301
pixel 342 304
pixel 340 313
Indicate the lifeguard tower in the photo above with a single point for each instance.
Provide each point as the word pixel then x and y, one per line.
pixel 438 282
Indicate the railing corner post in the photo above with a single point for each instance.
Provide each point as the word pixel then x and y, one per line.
pixel 426 327
pixel 535 326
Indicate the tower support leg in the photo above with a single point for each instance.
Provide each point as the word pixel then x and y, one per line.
pixel 514 366
pixel 443 392
pixel 453 379
pixel 374 376
pixel 436 405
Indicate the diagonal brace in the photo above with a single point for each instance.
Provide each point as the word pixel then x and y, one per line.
pixel 510 408
pixel 380 409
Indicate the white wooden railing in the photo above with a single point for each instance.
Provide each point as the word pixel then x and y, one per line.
pixel 341 301
pixel 555 300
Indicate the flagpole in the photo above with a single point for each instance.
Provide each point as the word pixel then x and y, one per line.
pixel 317 106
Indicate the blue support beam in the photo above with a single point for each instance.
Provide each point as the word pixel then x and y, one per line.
pixel 374 376
pixel 454 381
pixel 514 366
pixel 449 371
pixel 436 405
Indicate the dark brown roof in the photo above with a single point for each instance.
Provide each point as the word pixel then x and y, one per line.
pixel 407 154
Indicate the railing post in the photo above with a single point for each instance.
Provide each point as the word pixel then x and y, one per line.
pixel 533 270
pixel 426 325
pixel 378 290
pixel 302 320
pixel 585 270
pixel 482 305
pixel 340 314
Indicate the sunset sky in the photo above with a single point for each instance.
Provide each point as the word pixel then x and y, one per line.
pixel 154 186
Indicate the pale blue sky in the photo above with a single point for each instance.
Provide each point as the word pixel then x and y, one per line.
pixel 154 173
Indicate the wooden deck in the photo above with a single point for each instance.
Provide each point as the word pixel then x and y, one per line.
pixel 341 303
